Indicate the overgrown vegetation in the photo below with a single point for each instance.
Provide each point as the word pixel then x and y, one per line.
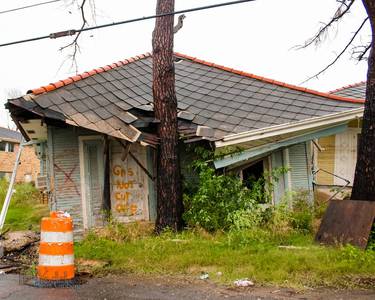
pixel 225 202
pixel 25 210
pixel 233 232
pixel 228 256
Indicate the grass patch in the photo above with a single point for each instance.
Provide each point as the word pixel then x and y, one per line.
pixel 253 253
pixel 25 210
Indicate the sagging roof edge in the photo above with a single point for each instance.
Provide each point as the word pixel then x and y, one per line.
pixel 67 122
pixel 235 139
pixel 264 150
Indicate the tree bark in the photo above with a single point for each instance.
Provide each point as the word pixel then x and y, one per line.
pixel 364 178
pixel 169 197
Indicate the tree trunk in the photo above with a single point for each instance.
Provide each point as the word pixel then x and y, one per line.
pixel 364 179
pixel 169 197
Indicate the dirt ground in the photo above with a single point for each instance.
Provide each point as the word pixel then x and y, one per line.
pixel 13 286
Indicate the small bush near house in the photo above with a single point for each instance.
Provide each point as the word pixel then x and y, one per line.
pixel 25 210
pixel 224 202
pixel 218 202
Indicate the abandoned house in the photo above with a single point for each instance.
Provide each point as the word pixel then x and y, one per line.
pixel 96 131
pixel 29 163
pixel 338 156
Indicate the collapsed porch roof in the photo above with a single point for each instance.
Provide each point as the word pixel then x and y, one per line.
pixel 262 141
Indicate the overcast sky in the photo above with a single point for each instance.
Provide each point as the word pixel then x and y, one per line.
pixel 256 37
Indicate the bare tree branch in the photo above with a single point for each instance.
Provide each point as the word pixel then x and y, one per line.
pixel 340 54
pixel 76 49
pixel 341 11
pixel 359 52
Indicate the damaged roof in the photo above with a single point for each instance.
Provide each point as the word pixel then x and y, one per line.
pixel 10 135
pixel 356 90
pixel 113 99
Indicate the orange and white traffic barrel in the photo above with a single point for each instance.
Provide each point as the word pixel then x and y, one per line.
pixel 56 254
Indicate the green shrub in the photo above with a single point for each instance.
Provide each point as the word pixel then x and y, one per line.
pixel 223 201
pixel 217 201
pixel 302 212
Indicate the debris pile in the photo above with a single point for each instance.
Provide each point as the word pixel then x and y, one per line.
pixel 18 250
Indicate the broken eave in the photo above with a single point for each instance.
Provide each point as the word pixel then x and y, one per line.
pixel 264 141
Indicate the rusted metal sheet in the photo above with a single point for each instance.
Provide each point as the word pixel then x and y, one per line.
pixel 347 222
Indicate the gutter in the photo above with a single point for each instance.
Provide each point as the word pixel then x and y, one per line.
pixel 243 137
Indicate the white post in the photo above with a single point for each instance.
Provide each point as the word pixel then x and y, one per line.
pixel 8 196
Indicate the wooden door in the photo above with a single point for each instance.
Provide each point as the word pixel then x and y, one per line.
pixel 93 182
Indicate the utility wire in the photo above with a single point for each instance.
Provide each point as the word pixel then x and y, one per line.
pixel 28 6
pixel 75 31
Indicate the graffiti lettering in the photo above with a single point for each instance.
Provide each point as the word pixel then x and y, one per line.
pixel 120 171
pixel 124 185
pixel 122 196
pixel 124 189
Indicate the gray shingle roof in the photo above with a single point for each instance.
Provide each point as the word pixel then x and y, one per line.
pixel 357 91
pixel 226 100
pixel 9 135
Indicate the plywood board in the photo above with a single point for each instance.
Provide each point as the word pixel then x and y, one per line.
pixel 347 222
pixel 129 186
pixel 326 160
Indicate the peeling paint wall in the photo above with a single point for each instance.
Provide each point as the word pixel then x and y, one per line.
pixel 64 179
pixel 128 180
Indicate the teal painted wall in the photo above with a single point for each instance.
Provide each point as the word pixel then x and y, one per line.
pixel 151 184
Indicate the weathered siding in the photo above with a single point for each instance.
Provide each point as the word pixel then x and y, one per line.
pixel 65 183
pixel 151 157
pixel 326 160
pixel 345 156
pixel 338 156
pixel 280 186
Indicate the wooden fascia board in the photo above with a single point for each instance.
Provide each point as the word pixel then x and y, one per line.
pixel 236 139
pixel 248 154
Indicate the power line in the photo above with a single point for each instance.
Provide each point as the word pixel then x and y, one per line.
pixel 75 31
pixel 28 6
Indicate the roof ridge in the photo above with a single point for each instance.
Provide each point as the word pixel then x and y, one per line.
pixel 347 86
pixel 272 81
pixel 71 79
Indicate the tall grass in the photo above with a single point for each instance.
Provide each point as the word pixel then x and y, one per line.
pixel 25 210
pixel 227 256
